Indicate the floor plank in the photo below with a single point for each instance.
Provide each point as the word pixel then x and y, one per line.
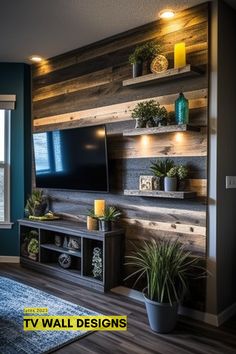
pixel 189 337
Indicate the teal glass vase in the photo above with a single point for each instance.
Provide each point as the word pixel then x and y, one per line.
pixel 181 110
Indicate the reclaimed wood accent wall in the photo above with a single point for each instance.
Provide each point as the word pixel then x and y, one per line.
pixel 84 87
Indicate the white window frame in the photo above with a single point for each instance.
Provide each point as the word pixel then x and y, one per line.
pixel 7 103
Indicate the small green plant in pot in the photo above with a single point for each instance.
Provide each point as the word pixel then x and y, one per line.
pixel 143 53
pixel 170 180
pixel 167 267
pixel 162 116
pixel 144 113
pixel 182 174
pixel 160 168
pixel 33 249
pixel 111 214
pixel 36 204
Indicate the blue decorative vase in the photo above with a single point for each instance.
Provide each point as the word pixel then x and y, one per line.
pixel 181 110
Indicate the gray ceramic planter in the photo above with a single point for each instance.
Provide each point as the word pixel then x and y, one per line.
pixel 137 69
pixel 162 317
pixel 170 184
pixel 104 225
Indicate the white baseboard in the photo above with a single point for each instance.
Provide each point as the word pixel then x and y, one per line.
pixel 9 259
pixel 214 320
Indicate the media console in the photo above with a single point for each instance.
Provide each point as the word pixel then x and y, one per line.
pixel 57 237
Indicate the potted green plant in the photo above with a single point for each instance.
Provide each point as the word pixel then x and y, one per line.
pixel 92 220
pixel 111 214
pixel 182 174
pixel 170 180
pixel 166 266
pixel 33 249
pixel 160 168
pixel 36 204
pixel 143 53
pixel 145 112
pixel 162 116
pixel 25 242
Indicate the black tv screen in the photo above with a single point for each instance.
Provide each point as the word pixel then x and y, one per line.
pixel 72 159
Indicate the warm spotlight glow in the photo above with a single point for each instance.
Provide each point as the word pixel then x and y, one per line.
pixel 145 140
pixel 100 133
pixel 179 137
pixel 166 14
pixel 36 58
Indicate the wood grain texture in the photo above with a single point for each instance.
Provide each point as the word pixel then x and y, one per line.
pixel 85 88
pixel 120 112
pixel 160 194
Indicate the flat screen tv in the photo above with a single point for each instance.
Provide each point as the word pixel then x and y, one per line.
pixel 72 159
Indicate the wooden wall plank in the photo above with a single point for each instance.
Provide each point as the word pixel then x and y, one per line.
pixel 186 19
pixel 84 87
pixel 122 111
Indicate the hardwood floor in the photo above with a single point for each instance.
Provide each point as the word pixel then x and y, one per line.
pixel 190 337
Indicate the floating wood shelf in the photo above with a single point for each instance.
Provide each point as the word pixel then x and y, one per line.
pixel 160 130
pixel 160 194
pixel 185 71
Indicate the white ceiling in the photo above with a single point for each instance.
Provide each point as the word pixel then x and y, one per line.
pixel 52 27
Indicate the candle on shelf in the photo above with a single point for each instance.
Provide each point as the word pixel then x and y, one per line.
pixel 99 207
pixel 179 55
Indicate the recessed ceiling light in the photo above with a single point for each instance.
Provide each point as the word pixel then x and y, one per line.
pixel 167 13
pixel 36 58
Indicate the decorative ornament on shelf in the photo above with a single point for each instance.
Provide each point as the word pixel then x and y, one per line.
pixel 182 110
pixel 33 249
pixel 64 260
pixel 92 220
pixel 99 207
pixel 159 64
pixel 57 240
pixel 97 263
pixel 149 183
pixel 65 242
pixel 179 55
pixel 73 244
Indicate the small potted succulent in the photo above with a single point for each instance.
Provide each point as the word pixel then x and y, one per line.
pixel 92 220
pixel 160 168
pixel 143 53
pixel 36 204
pixel 182 174
pixel 111 214
pixel 33 249
pixel 146 112
pixel 167 268
pixel 170 180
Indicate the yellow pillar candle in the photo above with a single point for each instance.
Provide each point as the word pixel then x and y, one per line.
pixel 179 55
pixel 99 207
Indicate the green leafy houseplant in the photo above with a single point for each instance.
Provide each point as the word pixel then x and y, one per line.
pixel 172 173
pixel 36 204
pixel 182 174
pixel 111 214
pixel 166 266
pixel 144 52
pixel 160 168
pixel 147 112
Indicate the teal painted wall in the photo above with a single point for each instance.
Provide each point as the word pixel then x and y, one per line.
pixel 16 79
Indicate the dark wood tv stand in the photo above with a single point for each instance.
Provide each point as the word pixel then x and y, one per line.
pixel 111 243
